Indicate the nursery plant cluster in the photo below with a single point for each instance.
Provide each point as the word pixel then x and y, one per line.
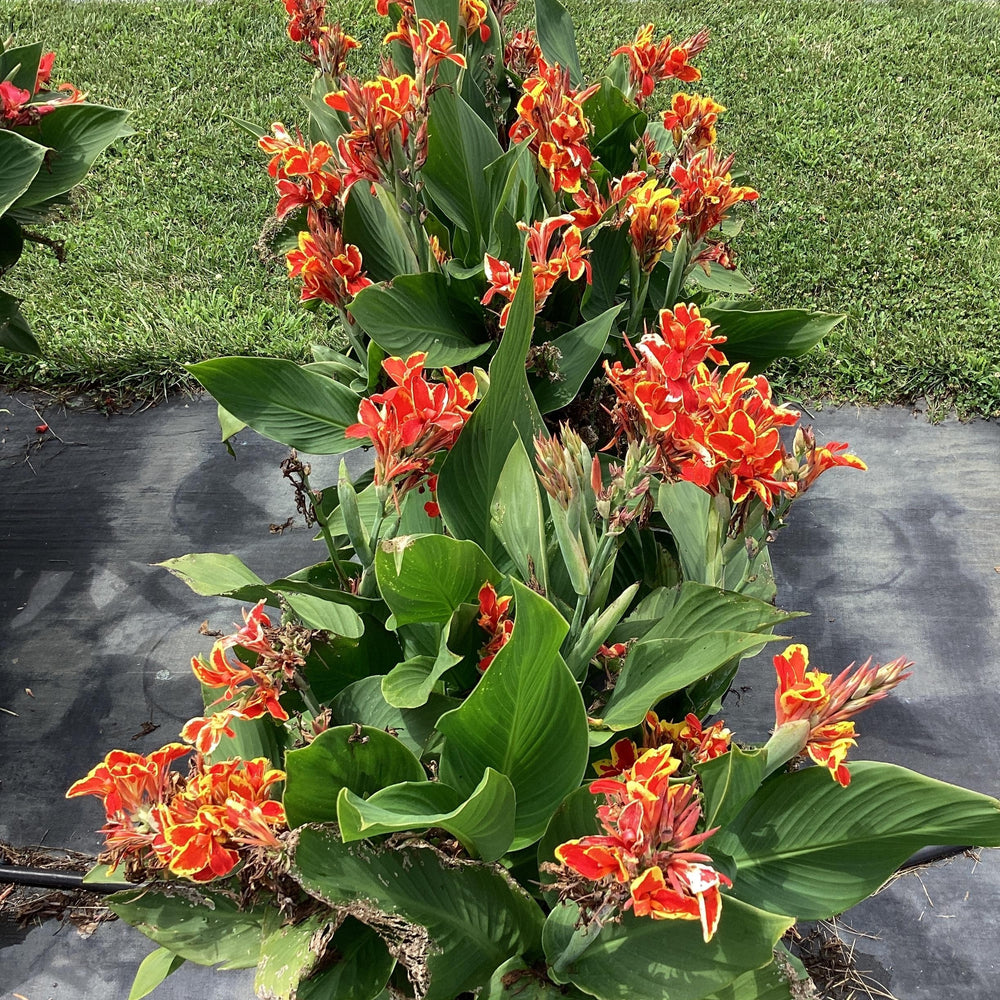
pixel 49 139
pixel 476 749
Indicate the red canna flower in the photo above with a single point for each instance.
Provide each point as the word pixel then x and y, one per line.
pixel 706 192
pixel 206 732
pixel 330 50
pixel 44 73
pixel 650 62
pixel 431 45
pixel 412 421
pixel 522 53
pixel 494 618
pixel 811 460
pixel 305 19
pixel 691 121
pixel 549 262
pixel 474 15
pixel 331 270
pixel 551 117
pixel 827 705
pixel 691 739
pixel 647 845
pixel 304 174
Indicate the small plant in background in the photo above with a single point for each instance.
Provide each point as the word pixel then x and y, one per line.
pixel 475 749
pixel 49 138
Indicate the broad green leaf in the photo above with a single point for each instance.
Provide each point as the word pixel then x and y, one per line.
pixel 808 847
pixel 483 823
pixel 516 980
pixel 199 925
pixel 728 781
pixel 289 954
pixel 228 424
pixel 580 350
pixel 686 634
pixel 76 134
pixel 525 719
pixel 643 959
pixel 11 243
pixel 319 613
pixel 777 981
pixel 359 758
pixel 15 334
pixel 424 312
pixel 21 61
pixel 721 279
pixel 362 968
pixel 410 684
pixel 333 665
pixel 761 335
pixel 617 123
pixel 281 401
pixel 516 516
pixel 475 917
pixel 216 574
pixel 513 187
pixel 696 521
pixel 557 37
pixel 611 249
pixel 424 578
pixel 362 702
pixel 372 223
pixel 469 475
pixel 460 147
pixel 153 969
pixel 20 160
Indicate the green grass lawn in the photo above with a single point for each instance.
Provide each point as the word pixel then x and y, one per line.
pixel 870 129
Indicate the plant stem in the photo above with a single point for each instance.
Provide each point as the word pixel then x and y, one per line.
pixel 324 527
pixel 308 696
pixel 638 284
pixel 678 271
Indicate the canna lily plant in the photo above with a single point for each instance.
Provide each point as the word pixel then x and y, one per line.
pixel 50 137
pixel 476 748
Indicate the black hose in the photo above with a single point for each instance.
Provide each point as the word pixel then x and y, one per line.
pixel 46 878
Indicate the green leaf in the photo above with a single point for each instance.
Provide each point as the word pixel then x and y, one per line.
pixel 469 475
pixel 19 63
pixel 473 916
pixel 516 980
pixel 728 781
pixel 319 613
pixel 525 719
pixel 618 123
pixel 644 959
pixel 460 147
pixel 557 37
pixel 199 925
pixel 424 578
pixel 721 279
pixel 611 250
pixel 20 160
pixel 580 350
pixel 761 335
pixel 15 334
pixel 808 847
pixel 776 981
pixel 332 666
pixel 228 424
pixel 410 684
pixel 483 823
pixel 362 702
pixel 281 401
pixel 214 574
pixel 289 954
pixel 153 969
pixel 362 968
pixel 695 519
pixel 76 134
pixel 513 189
pixel 361 759
pixel 372 223
pixel 699 631
pixel 516 516
pixel 424 312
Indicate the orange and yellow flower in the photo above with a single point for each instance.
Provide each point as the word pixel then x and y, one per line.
pixel 412 421
pixel 827 704
pixel 691 121
pixel 649 61
pixel 706 192
pixel 651 211
pixel 331 270
pixel 494 618
pixel 648 844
